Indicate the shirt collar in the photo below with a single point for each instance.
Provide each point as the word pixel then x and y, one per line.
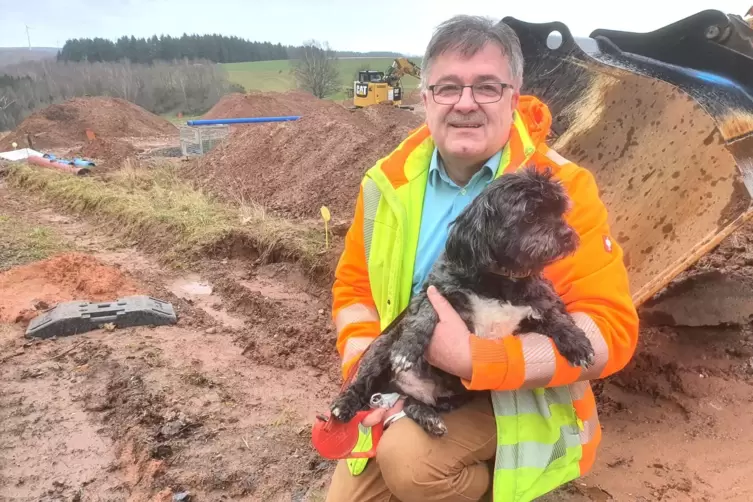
pixel 437 171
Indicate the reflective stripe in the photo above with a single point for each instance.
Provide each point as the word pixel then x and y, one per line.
pixel 589 428
pixel 525 138
pixel 578 390
pixel 371 196
pixel 524 484
pixel 358 312
pixel 364 443
pixel 540 362
pixel 534 454
pixel 536 401
pixel 556 158
pixel 538 354
pixel 601 349
pixel 355 346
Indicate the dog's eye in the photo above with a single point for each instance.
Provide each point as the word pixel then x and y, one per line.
pixel 529 218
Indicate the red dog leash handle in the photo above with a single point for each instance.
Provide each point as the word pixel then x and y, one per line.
pixel 335 440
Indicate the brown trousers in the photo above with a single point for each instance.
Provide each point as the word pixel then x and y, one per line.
pixel 411 466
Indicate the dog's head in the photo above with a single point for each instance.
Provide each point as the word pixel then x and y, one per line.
pixel 516 226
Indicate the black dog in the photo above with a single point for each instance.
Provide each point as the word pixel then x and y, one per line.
pixel 490 272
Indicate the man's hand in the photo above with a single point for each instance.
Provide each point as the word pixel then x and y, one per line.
pixel 382 414
pixel 450 348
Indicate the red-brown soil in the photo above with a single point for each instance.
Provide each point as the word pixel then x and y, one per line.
pixel 412 97
pixel 265 104
pixel 219 405
pixel 108 153
pixel 294 168
pixel 75 276
pixel 64 124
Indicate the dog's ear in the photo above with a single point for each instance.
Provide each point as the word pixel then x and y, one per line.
pixel 546 234
pixel 545 189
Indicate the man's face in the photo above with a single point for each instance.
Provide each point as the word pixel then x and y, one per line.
pixel 469 130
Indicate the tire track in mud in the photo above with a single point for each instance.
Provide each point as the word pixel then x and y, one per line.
pixel 213 406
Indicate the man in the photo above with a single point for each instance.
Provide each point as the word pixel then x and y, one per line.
pixel 533 425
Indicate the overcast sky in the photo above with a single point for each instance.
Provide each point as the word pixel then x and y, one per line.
pixel 360 25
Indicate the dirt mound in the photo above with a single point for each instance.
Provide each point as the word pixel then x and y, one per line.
pixel 293 168
pixel 26 290
pixel 733 254
pixel 65 124
pixel 111 152
pixel 266 104
pixel 412 97
pixel 673 412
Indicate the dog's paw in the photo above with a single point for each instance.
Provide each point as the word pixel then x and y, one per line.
pixel 427 418
pixel 434 426
pixel 344 408
pixel 429 421
pixel 578 351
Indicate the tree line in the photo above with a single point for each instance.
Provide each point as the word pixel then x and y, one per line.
pixel 216 48
pixel 191 87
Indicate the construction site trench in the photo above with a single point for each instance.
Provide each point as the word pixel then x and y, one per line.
pixel 219 406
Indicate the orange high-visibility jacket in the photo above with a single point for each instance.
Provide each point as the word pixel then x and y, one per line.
pixel 593 282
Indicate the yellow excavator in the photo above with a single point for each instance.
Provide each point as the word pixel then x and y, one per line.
pixel 374 87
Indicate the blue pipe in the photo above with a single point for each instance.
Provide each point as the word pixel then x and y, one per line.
pixel 75 162
pixel 245 120
pixel 81 162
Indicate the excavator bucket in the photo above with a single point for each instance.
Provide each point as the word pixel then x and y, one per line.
pixel 664 122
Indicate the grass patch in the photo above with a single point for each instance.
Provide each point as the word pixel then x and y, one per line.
pixel 179 121
pixel 277 76
pixel 157 209
pixel 21 243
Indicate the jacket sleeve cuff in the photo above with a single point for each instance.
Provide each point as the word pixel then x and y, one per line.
pixel 489 363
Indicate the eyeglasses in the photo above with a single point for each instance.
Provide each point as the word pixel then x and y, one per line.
pixel 449 94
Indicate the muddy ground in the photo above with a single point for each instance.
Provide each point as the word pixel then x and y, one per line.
pixel 220 405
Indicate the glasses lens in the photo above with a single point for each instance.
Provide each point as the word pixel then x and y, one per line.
pixel 447 94
pixel 487 93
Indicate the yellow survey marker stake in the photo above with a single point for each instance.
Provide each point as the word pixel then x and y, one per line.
pixel 326 217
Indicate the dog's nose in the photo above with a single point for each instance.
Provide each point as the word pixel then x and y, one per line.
pixel 569 236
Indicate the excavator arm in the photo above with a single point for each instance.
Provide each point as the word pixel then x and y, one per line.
pixel 401 67
pixel 664 121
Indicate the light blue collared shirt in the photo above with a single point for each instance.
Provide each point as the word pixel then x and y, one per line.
pixel 443 202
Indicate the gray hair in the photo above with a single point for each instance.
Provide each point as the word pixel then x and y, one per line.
pixel 469 34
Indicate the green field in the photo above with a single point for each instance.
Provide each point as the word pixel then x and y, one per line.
pixel 277 75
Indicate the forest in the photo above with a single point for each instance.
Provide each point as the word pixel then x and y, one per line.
pixel 216 48
pixel 191 87
pixel 163 74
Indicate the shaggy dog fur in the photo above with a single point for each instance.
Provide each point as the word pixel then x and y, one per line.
pixel 490 272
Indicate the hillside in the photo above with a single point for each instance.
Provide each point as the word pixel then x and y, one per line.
pixel 13 55
pixel 277 76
